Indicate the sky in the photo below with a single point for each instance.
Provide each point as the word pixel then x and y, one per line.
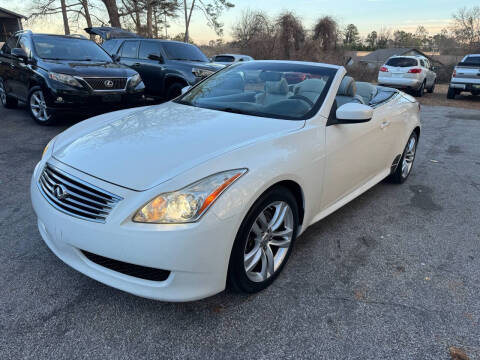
pixel 368 15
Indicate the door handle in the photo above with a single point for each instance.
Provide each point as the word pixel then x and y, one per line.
pixel 384 124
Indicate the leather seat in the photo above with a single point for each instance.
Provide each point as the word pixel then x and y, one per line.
pixel 347 92
pixel 367 91
pixel 274 91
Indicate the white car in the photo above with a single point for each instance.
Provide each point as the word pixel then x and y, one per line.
pixel 229 59
pixel 414 73
pixel 465 77
pixel 176 201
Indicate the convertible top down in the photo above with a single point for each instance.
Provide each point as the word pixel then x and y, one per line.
pixel 179 200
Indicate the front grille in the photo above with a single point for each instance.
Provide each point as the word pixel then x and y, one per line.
pixel 106 83
pixel 142 272
pixel 74 196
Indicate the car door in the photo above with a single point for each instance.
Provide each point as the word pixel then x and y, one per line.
pixel 9 66
pixel 23 69
pixel 428 72
pixel 355 153
pixel 152 68
pixel 129 54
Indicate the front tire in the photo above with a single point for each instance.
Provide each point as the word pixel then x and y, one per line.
pixel 421 91
pixel 7 101
pixel 431 89
pixel 264 241
pixel 405 164
pixel 174 91
pixel 38 107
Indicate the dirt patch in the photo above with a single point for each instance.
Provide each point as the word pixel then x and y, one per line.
pixel 457 353
pixel 439 98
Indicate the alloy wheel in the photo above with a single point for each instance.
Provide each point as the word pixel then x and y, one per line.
pixel 409 156
pixel 38 106
pixel 268 242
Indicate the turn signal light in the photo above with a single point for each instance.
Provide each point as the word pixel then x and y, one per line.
pixel 383 69
pixel 415 71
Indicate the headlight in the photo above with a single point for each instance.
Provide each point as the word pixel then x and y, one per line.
pixel 202 73
pixel 190 203
pixel 65 79
pixel 134 81
pixel 47 147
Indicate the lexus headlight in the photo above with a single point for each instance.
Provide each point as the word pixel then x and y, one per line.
pixel 190 203
pixel 134 81
pixel 65 79
pixel 202 73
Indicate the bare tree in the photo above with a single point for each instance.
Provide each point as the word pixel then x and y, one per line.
pixel 113 14
pixel 211 10
pixel 252 25
pixel 326 32
pixel 290 33
pixel 466 27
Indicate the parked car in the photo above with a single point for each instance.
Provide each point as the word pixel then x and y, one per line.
pixel 175 201
pixel 465 77
pixel 165 66
pixel 56 74
pixel 413 73
pixel 229 59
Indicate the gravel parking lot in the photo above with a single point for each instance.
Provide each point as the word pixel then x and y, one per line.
pixel 392 275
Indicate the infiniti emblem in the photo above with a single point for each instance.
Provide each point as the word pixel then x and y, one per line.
pixel 60 192
pixel 108 83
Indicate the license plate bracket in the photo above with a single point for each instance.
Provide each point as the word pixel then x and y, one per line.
pixel 109 98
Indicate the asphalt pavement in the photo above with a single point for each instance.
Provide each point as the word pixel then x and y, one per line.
pixel 395 274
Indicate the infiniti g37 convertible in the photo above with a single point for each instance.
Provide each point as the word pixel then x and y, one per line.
pixel 180 200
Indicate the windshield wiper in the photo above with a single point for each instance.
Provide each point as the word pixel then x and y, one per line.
pixel 232 110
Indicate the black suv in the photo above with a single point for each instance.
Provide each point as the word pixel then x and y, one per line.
pixel 165 66
pixel 54 73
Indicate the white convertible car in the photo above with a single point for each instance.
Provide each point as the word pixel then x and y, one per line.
pixel 180 200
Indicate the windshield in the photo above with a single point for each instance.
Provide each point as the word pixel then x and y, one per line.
pixel 264 89
pixel 402 62
pixel 68 48
pixel 182 51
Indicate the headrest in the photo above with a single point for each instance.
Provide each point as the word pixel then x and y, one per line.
pixel 310 85
pixel 233 81
pixel 276 87
pixel 347 87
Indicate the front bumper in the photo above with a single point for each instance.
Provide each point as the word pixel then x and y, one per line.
pixel 64 99
pixel 196 254
pixel 402 83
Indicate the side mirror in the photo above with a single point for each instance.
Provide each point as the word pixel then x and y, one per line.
pixel 352 113
pixel 115 58
pixel 185 89
pixel 156 57
pixel 20 53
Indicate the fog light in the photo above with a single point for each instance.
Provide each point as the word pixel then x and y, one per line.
pixel 59 99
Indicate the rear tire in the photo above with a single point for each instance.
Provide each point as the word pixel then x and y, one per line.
pixel 421 91
pixel 7 101
pixel 451 93
pixel 250 274
pixel 405 164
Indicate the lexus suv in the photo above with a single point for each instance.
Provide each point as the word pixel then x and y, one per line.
pixel 165 66
pixel 414 73
pixel 56 74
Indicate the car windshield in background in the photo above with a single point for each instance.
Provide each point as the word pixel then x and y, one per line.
pixel 473 60
pixel 267 89
pixel 402 62
pixel 68 48
pixel 222 58
pixel 181 51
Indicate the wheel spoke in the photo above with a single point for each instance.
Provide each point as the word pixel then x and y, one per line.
pixel 282 233
pixel 263 221
pixel 278 217
pixel 263 273
pixel 252 258
pixel 284 243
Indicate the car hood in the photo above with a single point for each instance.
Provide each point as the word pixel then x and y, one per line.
pixel 139 149
pixel 87 68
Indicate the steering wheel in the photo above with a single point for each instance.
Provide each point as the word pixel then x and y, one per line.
pixel 304 98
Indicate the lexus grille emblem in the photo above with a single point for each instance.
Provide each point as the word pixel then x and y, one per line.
pixel 60 192
pixel 108 83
